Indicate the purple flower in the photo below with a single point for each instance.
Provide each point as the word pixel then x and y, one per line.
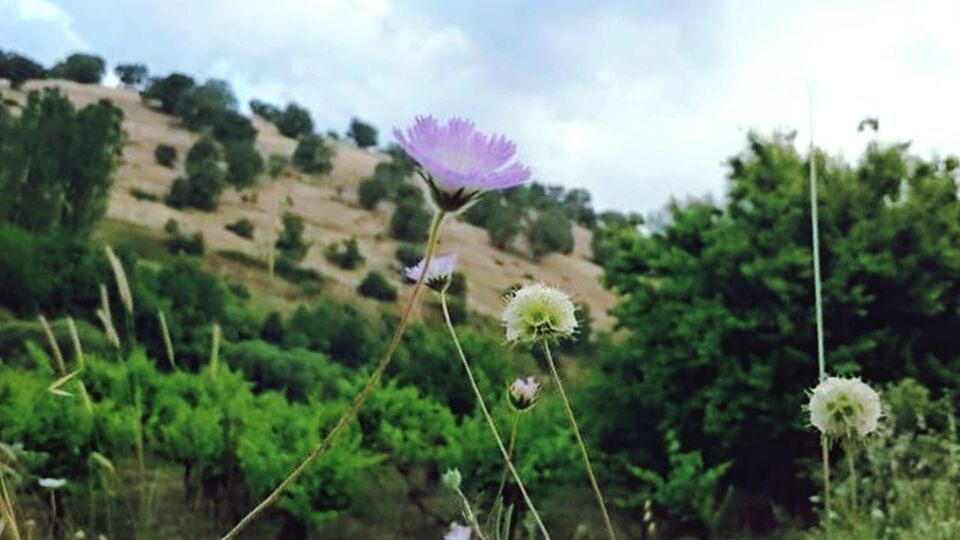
pixel 439 273
pixel 459 162
pixel 458 532
pixel 523 393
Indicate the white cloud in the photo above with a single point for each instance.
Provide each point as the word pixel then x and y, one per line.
pixel 635 104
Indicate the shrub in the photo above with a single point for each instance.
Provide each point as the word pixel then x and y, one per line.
pixel 188 245
pixel 169 90
pixel 375 286
pixel 297 373
pixel 243 164
pixel 408 254
pixel 143 195
pixel 362 133
pixel 199 189
pixel 551 232
pixel 132 75
pixel 410 222
pixel 503 225
pixel 337 330
pixel 231 126
pixel 276 165
pixel 290 241
pixel 81 68
pixel 202 152
pixel 372 191
pixel 264 110
pixel 346 254
pixel 272 329
pixel 165 155
pixel 18 69
pixel 313 155
pixel 243 228
pixel 294 121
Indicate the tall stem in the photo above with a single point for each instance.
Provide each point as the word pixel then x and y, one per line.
pixel 583 447
pixel 359 399
pixel 510 448
pixel 825 458
pixel 471 517
pixel 489 418
pixel 853 477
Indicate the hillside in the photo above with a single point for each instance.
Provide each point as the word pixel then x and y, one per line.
pixel 329 209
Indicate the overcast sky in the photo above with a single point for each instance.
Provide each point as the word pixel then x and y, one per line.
pixel 636 101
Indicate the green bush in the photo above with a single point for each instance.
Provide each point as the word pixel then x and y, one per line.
pixel 169 90
pixel 336 330
pixel 132 75
pixel 551 232
pixel 165 155
pixel 276 164
pixel 313 155
pixel 362 133
pixel 243 228
pixel 81 68
pixel 410 222
pixel 264 110
pixel 290 241
pixel 187 244
pixel 18 69
pixel 202 153
pixel 408 254
pixel 244 164
pixel 297 373
pixel 200 189
pixel 294 121
pixel 272 330
pixel 375 286
pixel 372 191
pixel 346 254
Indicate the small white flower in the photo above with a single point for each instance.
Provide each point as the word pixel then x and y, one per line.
pixel 458 532
pixel 452 479
pixel 537 311
pixel 844 408
pixel 439 273
pixel 524 393
pixel 52 483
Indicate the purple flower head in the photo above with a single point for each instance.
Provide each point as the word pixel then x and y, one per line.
pixel 439 273
pixel 459 163
pixel 458 532
pixel 523 393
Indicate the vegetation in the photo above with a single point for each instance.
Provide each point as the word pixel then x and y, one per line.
pixel 18 69
pixel 81 68
pixel 243 228
pixel 132 75
pixel 346 254
pixel 410 222
pixel 313 155
pixel 165 155
pixel 244 164
pixel 375 286
pixel 290 242
pixel 362 133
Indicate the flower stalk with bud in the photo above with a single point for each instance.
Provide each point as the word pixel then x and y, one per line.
pixel 458 164
pixel 539 314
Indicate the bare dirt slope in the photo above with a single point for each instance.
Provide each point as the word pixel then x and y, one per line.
pixel 328 207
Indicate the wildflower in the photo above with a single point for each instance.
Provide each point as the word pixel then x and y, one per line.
pixel 52 483
pixel 452 479
pixel 458 162
pixel 538 311
pixel 458 532
pixel 524 393
pixel 439 272
pixel 844 408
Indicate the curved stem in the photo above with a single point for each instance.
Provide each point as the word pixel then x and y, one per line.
pixel 359 399
pixel 489 418
pixel 471 517
pixel 583 447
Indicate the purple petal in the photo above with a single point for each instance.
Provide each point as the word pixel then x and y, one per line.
pixel 441 266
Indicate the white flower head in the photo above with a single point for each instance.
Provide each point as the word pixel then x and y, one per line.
pixel 844 408
pixel 523 393
pixel 537 311
pixel 439 272
pixel 52 483
pixel 458 532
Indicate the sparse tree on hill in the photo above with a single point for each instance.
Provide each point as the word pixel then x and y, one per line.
pixel 313 155
pixel 244 163
pixel 294 121
pixel 132 75
pixel 81 68
pixel 18 69
pixel 169 90
pixel 364 134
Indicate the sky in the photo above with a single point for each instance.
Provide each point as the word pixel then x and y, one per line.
pixel 636 101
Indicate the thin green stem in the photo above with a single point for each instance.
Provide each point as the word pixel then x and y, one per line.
pixel 489 418
pixel 471 517
pixel 510 448
pixel 853 478
pixel 825 458
pixel 583 447
pixel 358 400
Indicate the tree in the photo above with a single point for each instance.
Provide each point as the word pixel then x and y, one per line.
pixel 375 286
pixel 132 75
pixel 346 255
pixel 244 164
pixel 81 68
pixel 18 69
pixel 264 110
pixel 200 189
pixel 362 133
pixel 57 163
pixel 719 311
pixel 313 155
pixel 410 222
pixel 290 241
pixel 503 226
pixel 294 121
pixel 203 151
pixel 550 232
pixel 165 155
pixel 169 90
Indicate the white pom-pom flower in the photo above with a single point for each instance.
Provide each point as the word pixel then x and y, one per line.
pixel 439 272
pixel 52 483
pixel 844 408
pixel 537 311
